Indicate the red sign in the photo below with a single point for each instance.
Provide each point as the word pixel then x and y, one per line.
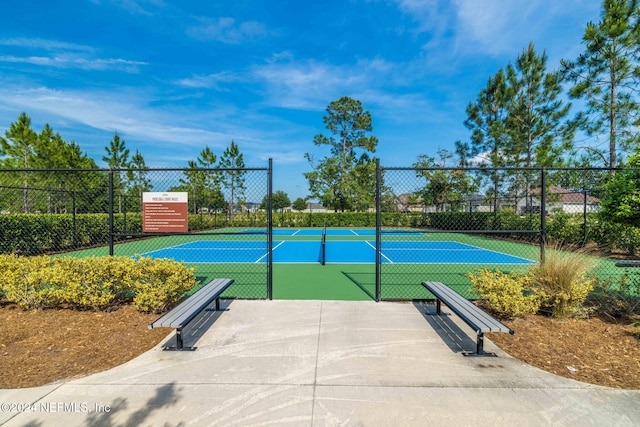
pixel 165 212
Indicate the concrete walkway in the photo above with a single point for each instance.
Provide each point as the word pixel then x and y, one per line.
pixel 322 363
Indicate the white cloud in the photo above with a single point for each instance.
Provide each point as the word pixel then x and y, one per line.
pixel 311 85
pixel 135 7
pixel 494 25
pixel 73 61
pixel 211 81
pixel 227 30
pixel 57 54
pixel 49 45
pixel 127 114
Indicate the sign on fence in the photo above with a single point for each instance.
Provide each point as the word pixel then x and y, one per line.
pixel 165 212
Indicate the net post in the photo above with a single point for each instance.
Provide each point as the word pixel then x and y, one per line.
pixel 323 244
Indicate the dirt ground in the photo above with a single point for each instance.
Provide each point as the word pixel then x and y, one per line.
pixel 43 346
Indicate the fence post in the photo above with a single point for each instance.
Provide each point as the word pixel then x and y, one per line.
pixel 543 215
pixel 111 212
pixel 584 218
pixel 74 220
pixel 378 231
pixel 269 231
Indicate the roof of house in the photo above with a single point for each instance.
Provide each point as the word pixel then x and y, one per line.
pixel 570 196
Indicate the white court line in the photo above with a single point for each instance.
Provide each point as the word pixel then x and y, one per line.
pixel 248 248
pixel 438 250
pixel 381 254
pixel 274 248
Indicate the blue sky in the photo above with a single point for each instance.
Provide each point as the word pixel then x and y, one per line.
pixel 173 76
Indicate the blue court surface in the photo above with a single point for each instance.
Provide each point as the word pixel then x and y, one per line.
pixel 337 252
pixel 338 232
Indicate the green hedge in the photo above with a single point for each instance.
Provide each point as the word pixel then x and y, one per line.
pixel 479 221
pixel 35 234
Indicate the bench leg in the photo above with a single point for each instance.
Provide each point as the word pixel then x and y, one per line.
pixel 480 344
pixel 217 306
pixel 480 348
pixel 438 306
pixel 179 343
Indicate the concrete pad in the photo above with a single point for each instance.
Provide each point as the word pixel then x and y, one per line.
pixel 322 363
pixel 444 406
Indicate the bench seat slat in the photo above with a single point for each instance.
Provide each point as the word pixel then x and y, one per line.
pixel 633 263
pixel 479 319
pixel 482 320
pixel 184 312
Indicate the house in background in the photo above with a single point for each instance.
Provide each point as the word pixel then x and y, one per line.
pixel 312 207
pixel 560 200
pixel 406 203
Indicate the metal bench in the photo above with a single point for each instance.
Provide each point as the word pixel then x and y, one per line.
pixel 474 316
pixel 633 263
pixel 183 313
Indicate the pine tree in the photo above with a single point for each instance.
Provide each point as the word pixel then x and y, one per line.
pixel 537 126
pixel 234 177
pixel 605 75
pixel 486 118
pixel 345 180
pixel 19 147
pixel 117 158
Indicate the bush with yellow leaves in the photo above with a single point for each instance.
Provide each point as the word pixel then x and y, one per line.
pixel 26 283
pixel 149 297
pixel 508 294
pixel 558 285
pixel 95 283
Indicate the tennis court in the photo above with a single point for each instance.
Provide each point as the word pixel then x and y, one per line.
pixel 337 252
pixel 336 232
pixel 408 257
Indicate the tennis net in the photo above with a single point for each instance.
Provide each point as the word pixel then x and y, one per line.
pixel 323 244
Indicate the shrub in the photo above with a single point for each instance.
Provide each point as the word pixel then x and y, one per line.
pixel 562 283
pixel 175 280
pixel 566 229
pixel 96 283
pixel 506 293
pixel 619 299
pixel 25 283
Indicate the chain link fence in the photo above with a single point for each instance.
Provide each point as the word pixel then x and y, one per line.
pixel 435 224
pixel 103 212
pixel 466 219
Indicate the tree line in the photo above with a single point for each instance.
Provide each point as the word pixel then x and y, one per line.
pixel 30 159
pixel 521 119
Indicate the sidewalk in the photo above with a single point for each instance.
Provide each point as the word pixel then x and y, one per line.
pixel 322 363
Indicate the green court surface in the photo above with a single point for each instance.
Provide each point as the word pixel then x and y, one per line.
pixel 342 281
pixel 328 282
